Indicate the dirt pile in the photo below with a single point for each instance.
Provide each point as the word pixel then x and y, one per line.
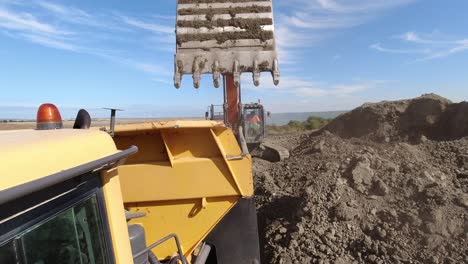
pixel 352 200
pixel 429 116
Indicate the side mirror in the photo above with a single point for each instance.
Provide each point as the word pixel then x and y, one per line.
pixel 83 120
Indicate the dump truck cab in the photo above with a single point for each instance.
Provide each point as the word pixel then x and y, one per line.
pixel 158 192
pixel 60 201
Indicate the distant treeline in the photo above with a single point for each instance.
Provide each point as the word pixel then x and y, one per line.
pixel 312 123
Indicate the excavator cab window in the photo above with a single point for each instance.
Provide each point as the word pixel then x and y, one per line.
pixel 74 234
pixel 215 112
pixel 254 124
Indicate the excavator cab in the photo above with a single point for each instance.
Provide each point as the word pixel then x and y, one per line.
pixel 254 123
pixel 253 120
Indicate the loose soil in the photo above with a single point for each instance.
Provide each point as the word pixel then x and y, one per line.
pixel 240 23
pixel 390 189
pixel 226 36
pixel 233 10
pixel 252 27
pixel 216 1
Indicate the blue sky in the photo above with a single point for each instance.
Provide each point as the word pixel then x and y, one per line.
pixel 334 55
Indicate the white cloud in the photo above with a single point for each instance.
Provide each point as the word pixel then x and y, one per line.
pixel 155 28
pixel 432 38
pixel 433 45
pixel 26 22
pixel 326 14
pixel 378 47
pixel 346 6
pixel 332 90
pixel 336 57
pixel 303 23
pixel 90 41
pixel 307 21
pixel 305 88
pixel 50 42
pixel 460 46
pixel 71 14
pixel 154 69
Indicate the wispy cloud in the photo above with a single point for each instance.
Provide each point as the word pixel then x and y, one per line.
pixel 51 42
pixel 336 14
pixel 151 68
pixel 433 45
pixel 333 90
pixel 72 14
pixel 305 88
pixel 458 47
pixel 307 22
pixel 378 47
pixel 23 21
pixel 72 29
pixel 356 6
pixel 155 28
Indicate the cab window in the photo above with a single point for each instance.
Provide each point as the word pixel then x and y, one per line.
pixel 254 125
pixel 74 236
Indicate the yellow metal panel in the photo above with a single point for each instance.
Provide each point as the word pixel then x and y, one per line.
pixel 170 156
pixel 188 178
pixel 241 168
pixel 152 126
pixel 116 217
pixel 228 140
pixel 191 142
pixel 231 171
pixel 186 218
pixel 180 165
pixel 150 146
pixel 28 155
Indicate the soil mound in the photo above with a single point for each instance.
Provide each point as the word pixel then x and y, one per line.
pixel 429 116
pixel 341 198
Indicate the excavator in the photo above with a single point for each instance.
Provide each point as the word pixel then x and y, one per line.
pixel 175 191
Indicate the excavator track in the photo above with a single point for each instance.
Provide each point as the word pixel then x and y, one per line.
pixel 221 37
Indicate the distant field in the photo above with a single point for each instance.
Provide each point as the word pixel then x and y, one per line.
pixel 280 119
pixel 277 119
pixel 15 125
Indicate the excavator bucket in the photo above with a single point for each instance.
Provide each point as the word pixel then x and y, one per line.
pixel 224 37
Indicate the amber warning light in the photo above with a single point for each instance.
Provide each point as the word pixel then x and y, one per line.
pixel 48 117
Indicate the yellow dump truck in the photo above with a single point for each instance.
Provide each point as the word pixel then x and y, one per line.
pixel 175 191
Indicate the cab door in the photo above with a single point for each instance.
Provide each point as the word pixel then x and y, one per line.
pixel 65 223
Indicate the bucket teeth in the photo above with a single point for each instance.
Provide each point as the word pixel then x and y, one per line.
pixel 229 37
pixel 275 72
pixel 177 74
pixel 216 74
pixel 256 74
pixel 197 67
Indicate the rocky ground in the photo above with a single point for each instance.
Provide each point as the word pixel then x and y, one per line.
pixel 384 194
